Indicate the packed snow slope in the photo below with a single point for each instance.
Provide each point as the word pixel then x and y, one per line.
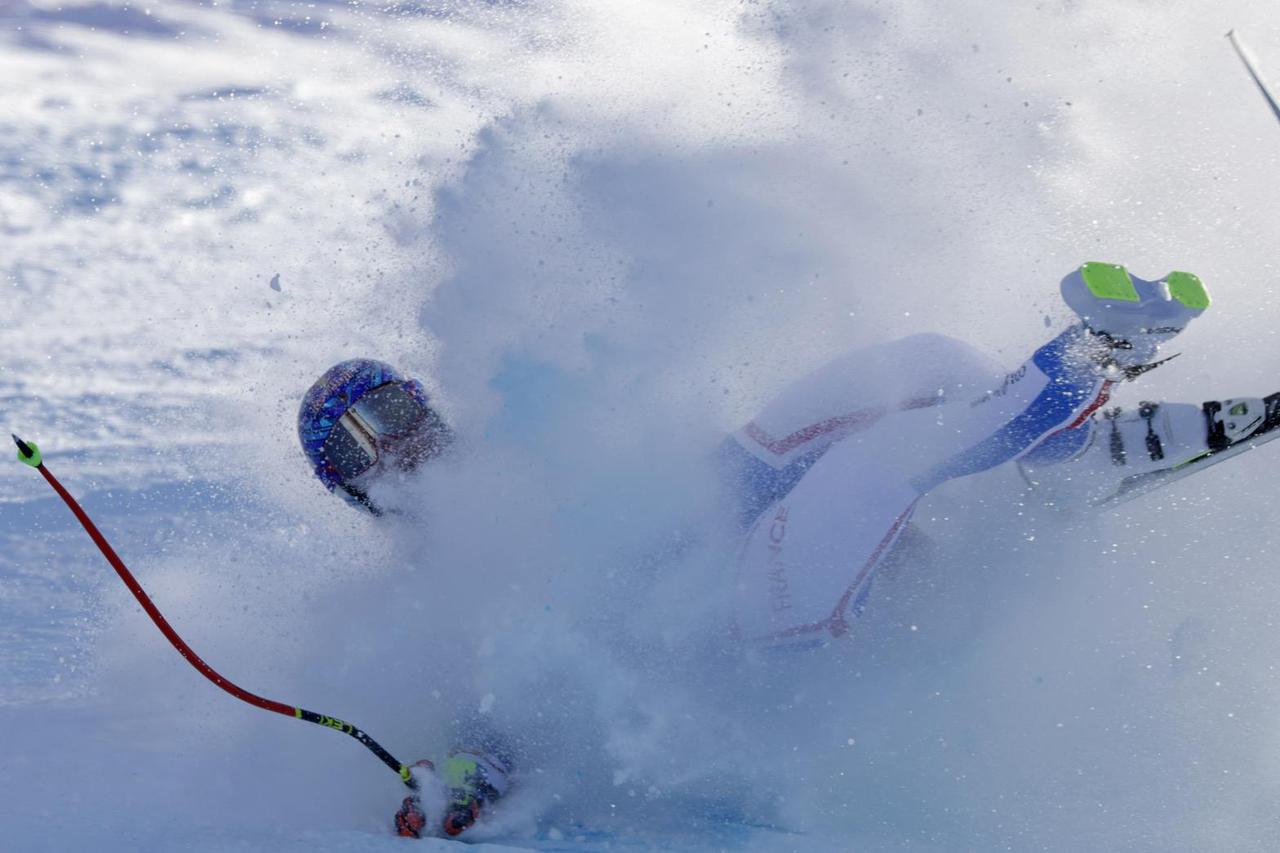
pixel 604 234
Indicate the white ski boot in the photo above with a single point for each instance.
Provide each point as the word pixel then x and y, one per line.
pixel 1127 454
pixel 1129 317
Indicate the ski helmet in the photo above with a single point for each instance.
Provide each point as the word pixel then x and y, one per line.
pixel 361 413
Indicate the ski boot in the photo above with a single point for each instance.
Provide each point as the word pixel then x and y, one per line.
pixel 1123 454
pixel 1128 318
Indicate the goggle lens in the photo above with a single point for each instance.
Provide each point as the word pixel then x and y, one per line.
pixel 388 411
pixel 349 450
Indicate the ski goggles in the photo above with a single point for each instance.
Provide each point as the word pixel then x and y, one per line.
pixel 388 412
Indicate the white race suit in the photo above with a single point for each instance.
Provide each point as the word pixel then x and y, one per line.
pixel 828 475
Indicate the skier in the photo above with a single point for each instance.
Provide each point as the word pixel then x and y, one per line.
pixel 360 421
pixel 825 479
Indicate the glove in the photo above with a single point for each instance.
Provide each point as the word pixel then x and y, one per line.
pixel 410 818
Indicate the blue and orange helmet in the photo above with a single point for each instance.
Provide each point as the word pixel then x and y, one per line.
pixel 359 413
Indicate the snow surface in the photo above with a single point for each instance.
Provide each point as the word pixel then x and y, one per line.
pixel 604 233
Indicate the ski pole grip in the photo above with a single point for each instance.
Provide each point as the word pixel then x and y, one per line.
pixel 28 453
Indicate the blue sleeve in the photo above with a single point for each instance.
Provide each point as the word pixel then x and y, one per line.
pixel 1060 446
pixel 1062 390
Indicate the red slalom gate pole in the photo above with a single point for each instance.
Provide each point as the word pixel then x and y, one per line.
pixel 29 454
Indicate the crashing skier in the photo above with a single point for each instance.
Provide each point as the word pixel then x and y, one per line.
pixel 825 479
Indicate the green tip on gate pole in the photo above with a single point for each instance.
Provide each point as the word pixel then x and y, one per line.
pixel 28 453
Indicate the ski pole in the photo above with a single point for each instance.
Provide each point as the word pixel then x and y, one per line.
pixel 1252 68
pixel 29 454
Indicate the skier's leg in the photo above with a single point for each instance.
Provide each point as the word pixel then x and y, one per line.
pixel 764 459
pixel 812 553
pixel 1125 320
pixel 810 557
pixel 853 391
